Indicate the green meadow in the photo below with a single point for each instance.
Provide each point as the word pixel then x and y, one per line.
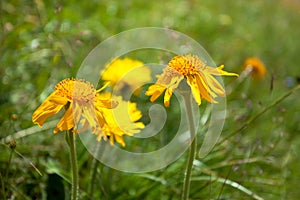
pixel 257 155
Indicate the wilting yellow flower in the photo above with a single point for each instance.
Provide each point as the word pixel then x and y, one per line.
pixel 199 77
pixel 126 73
pixel 119 121
pixel 78 98
pixel 86 108
pixel 255 67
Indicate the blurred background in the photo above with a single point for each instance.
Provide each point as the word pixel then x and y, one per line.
pixel 43 42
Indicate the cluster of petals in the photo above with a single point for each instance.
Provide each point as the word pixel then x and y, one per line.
pixel 86 108
pixel 198 75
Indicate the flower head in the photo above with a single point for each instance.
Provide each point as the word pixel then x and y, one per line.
pixel 86 108
pixel 126 73
pixel 199 77
pixel 255 67
pixel 77 97
pixel 119 121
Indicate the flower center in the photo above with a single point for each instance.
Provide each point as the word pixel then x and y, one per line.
pixel 76 90
pixel 187 64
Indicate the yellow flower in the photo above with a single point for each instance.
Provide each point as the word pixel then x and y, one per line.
pixel 78 98
pixel 126 72
pixel 199 77
pixel 86 107
pixel 119 121
pixel 255 67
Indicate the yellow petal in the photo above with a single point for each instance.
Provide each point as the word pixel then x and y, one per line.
pixel 218 71
pixel 58 100
pixel 103 87
pixel 66 122
pixel 155 91
pixel 167 97
pixel 134 113
pixel 215 85
pixel 204 89
pixel 46 110
pixel 204 82
pixel 120 140
pixel 194 87
pixel 105 100
pixel 90 115
pixel 77 111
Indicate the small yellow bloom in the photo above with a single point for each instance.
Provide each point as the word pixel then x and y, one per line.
pixel 78 98
pixel 126 73
pixel 255 67
pixel 198 75
pixel 119 121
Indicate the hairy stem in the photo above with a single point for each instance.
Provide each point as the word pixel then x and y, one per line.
pixel 73 157
pixel 190 119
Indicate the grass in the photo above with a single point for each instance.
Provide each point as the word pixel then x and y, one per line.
pixel 44 42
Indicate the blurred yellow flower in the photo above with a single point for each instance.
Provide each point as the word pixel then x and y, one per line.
pixel 199 78
pixel 85 106
pixel 119 121
pixel 255 67
pixel 126 73
pixel 78 98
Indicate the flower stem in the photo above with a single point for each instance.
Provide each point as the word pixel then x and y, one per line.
pixel 94 167
pixel 190 119
pixel 12 146
pixel 73 157
pixel 8 165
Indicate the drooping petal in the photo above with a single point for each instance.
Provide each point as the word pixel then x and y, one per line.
pixel 66 122
pixel 155 91
pixel 215 85
pixel 205 91
pixel 89 114
pixel 168 81
pixel 194 87
pixel 47 109
pixel 59 100
pixel 120 140
pixel 167 97
pixel 77 111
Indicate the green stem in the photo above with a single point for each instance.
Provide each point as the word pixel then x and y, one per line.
pixel 73 157
pixel 190 119
pixel 5 182
pixel 8 164
pixel 3 186
pixel 94 167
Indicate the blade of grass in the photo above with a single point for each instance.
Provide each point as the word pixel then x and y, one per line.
pixel 153 178
pixel 28 161
pixel 29 131
pixel 223 185
pixel 257 115
pixel 230 183
pixel 237 162
pixel 24 158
